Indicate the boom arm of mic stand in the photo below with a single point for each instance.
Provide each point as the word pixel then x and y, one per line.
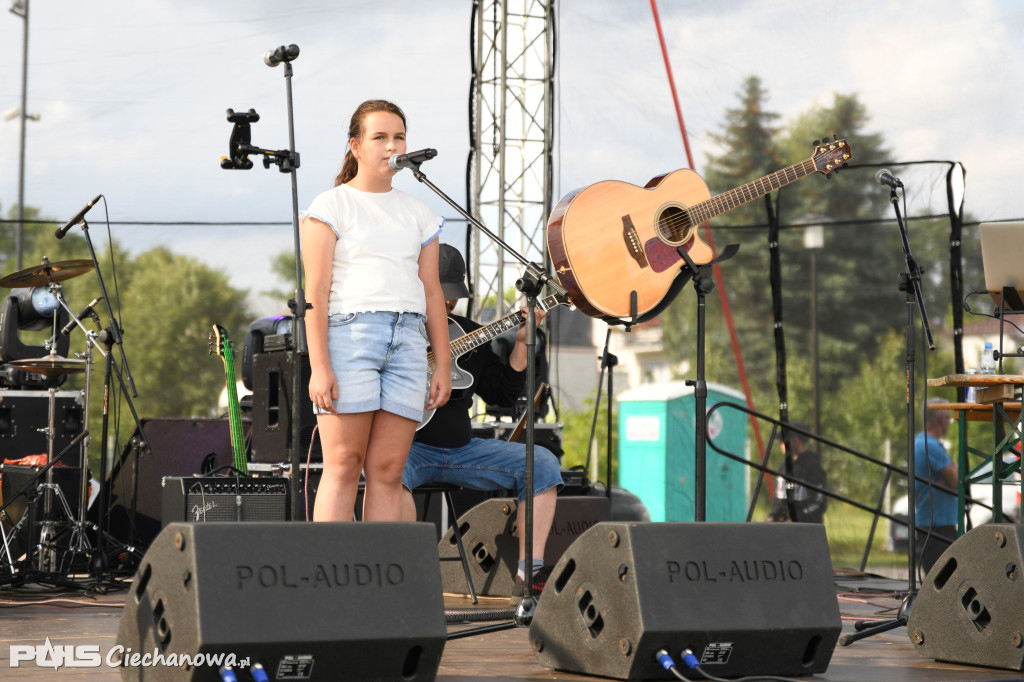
pixel 913 270
pixel 531 268
pixel 114 328
pixel 113 331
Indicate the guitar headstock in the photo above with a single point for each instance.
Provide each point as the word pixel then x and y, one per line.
pixel 829 157
pixel 220 344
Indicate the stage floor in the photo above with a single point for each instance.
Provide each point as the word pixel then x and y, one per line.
pixel 32 614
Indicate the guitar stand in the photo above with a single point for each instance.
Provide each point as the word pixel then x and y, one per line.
pixel 530 283
pixel 703 284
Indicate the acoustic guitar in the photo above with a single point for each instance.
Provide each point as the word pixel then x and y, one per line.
pixel 611 239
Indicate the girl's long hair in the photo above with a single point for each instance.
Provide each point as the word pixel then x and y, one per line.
pixel 355 132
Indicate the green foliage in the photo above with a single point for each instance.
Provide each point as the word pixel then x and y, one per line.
pixel 283 268
pixel 576 443
pixel 168 306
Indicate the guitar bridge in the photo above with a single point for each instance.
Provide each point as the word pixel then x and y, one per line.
pixel 632 239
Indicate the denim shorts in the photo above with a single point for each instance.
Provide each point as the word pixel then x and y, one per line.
pixel 482 464
pixel 380 362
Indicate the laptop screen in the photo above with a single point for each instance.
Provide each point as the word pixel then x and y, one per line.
pixel 1002 256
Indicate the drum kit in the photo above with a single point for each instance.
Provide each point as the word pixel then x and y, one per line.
pixel 45 537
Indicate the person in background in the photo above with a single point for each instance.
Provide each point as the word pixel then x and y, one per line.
pixel 445 450
pixel 370 255
pixel 935 509
pixel 809 504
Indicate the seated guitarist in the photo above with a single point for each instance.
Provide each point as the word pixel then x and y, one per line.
pixel 445 451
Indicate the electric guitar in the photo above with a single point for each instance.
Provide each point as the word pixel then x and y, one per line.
pixel 461 343
pixel 221 345
pixel 611 239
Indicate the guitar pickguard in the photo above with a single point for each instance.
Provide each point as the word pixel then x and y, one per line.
pixel 662 256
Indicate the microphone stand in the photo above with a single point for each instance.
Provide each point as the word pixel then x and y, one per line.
pixel 287 162
pixel 530 284
pixel 109 336
pixel 910 283
pixel 703 284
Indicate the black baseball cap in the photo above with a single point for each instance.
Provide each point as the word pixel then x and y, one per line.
pixel 452 271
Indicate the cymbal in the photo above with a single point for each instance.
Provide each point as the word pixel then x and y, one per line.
pixel 40 275
pixel 50 366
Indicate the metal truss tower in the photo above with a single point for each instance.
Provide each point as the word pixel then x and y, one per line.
pixel 509 174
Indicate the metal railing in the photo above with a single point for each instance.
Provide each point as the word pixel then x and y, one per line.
pixel 887 472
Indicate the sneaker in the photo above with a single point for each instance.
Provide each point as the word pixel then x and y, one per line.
pixel 540 579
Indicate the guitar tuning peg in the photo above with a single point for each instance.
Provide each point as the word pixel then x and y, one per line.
pixel 835 138
pixel 816 143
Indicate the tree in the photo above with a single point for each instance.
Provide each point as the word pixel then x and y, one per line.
pixel 753 147
pixel 170 304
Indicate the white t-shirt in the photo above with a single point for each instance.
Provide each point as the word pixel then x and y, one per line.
pixel 380 236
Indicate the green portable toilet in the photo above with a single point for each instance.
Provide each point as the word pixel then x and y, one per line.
pixel 657 443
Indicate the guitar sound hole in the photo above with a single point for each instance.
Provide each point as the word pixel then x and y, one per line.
pixel 674 225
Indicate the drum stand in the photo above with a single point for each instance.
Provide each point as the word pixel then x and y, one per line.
pixel 51 559
pixel 57 514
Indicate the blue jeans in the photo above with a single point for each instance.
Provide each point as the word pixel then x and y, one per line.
pixel 482 464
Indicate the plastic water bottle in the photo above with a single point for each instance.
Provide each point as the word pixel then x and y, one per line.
pixel 987 364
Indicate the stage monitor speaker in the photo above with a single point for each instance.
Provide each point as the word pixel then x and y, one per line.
pixel 308 601
pixel 180 447
pixel 224 498
pixel 970 608
pixel 746 599
pixel 272 409
pixel 491 538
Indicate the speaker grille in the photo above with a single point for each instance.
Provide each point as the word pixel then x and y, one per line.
pixel 201 500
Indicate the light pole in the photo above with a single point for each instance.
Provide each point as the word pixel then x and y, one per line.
pixel 20 8
pixel 814 240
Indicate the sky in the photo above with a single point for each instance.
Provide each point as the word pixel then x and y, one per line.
pixel 132 98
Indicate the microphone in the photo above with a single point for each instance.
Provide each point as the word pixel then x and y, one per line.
pixel 885 177
pixel 87 311
pixel 411 160
pixel 61 231
pixel 276 55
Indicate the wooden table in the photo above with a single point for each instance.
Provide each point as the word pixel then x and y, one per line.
pixel 995 403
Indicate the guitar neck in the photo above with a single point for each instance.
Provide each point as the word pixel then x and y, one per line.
pixel 487 333
pixel 717 205
pixel 235 414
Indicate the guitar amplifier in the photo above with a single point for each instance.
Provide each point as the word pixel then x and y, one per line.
pixel 199 500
